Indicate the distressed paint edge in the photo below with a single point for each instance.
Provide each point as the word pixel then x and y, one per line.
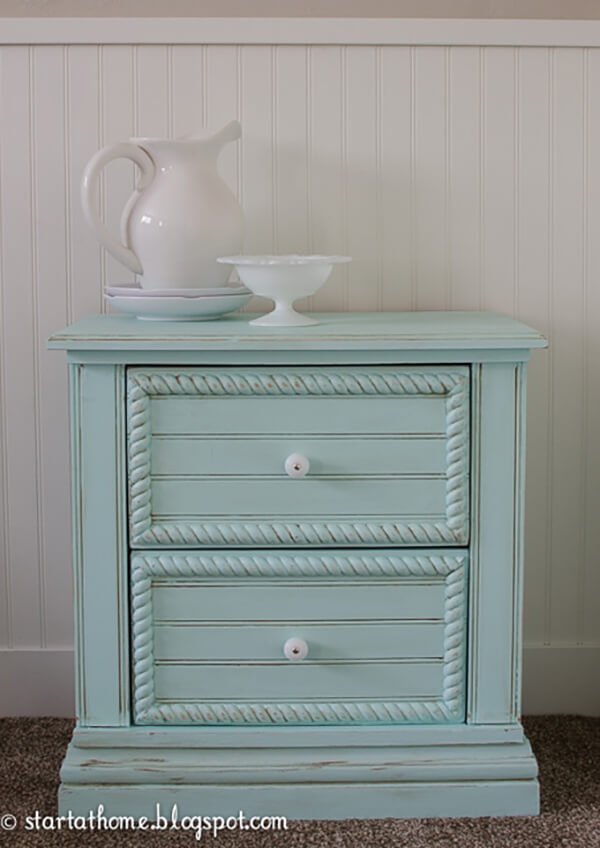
pixel 391 764
pixel 513 793
pixel 296 737
pixel 222 357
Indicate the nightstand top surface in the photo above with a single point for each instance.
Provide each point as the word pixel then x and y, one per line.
pixel 335 331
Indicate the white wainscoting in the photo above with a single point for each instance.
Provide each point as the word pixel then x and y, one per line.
pixel 460 175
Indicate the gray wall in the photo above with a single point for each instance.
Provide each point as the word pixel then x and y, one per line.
pixel 566 9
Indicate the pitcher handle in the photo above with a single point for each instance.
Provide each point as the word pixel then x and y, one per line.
pixel 89 198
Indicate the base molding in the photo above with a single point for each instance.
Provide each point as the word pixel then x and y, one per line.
pixel 468 799
pixel 405 781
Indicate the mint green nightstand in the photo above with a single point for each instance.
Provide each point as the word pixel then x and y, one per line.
pixel 298 559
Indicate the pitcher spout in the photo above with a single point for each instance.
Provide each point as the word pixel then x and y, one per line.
pixel 230 132
pixel 199 147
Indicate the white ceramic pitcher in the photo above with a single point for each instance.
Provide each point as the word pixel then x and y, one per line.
pixel 180 217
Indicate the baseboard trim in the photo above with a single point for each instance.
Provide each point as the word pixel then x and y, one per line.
pixel 561 679
pixel 37 683
pixel 557 679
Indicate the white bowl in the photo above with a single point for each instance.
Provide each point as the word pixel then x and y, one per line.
pixel 284 279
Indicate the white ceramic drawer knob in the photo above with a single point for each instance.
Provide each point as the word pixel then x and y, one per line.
pixel 296 465
pixel 295 649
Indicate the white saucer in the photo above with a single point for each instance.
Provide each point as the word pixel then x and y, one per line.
pixel 138 291
pixel 178 308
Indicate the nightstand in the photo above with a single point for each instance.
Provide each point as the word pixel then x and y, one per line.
pixel 298 566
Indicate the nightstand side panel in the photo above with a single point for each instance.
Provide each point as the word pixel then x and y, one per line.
pixel 496 543
pixel 100 545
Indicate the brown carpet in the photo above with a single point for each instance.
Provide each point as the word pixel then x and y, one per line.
pixel 567 747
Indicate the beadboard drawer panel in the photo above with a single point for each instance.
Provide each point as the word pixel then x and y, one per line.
pixel 386 637
pixel 297 600
pixel 248 641
pixel 174 500
pixel 235 455
pixel 388 452
pixel 277 681
pixel 301 414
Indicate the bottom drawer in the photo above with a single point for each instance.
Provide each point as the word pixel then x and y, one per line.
pixel 384 633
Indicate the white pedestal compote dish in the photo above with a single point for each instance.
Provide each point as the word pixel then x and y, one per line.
pixel 284 279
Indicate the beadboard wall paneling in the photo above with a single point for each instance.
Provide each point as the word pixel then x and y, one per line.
pixel 532 275
pixel 457 176
pixel 567 285
pixel 590 584
pixel 21 351
pixel 50 407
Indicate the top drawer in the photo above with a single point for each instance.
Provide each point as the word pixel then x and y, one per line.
pixel 388 450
